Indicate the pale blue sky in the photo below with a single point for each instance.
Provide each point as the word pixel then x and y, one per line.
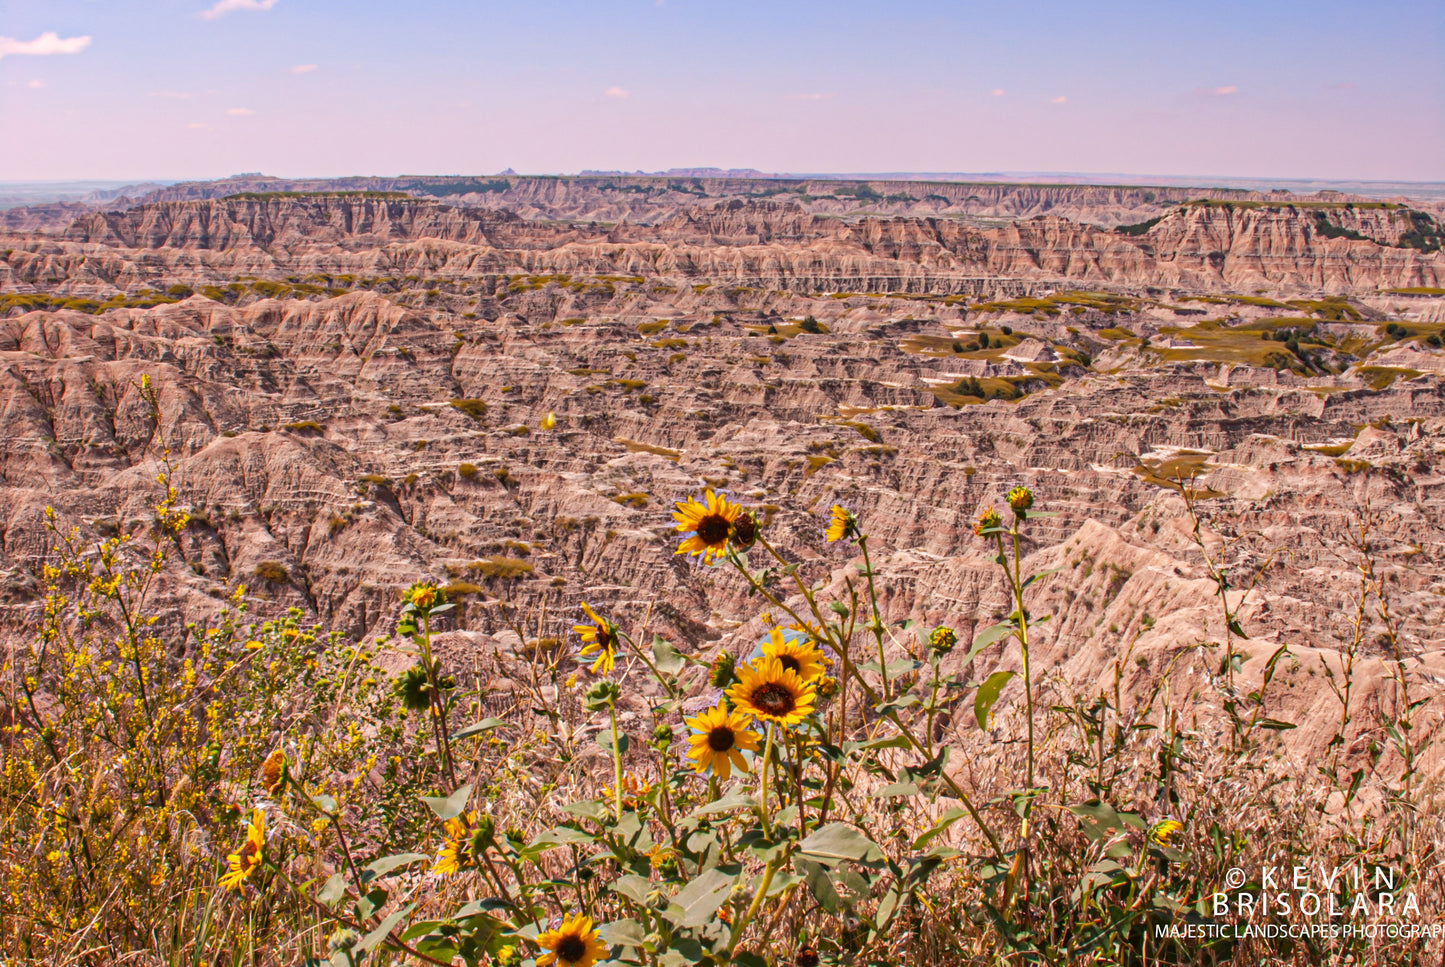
pixel 1322 89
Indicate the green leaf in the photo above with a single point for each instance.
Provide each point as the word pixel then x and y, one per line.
pixel 624 933
pixel 632 886
pixel 1041 575
pixel 334 889
pixel 477 728
pixel 562 836
pixel 729 803
pixel 386 864
pixel 588 809
pixel 988 636
pixel 604 739
pixel 987 695
pixel 1275 724
pixel 379 934
pixel 696 903
pixel 944 821
pixel 668 659
pixel 837 842
pixel 449 807
pixel 887 742
pixel 820 884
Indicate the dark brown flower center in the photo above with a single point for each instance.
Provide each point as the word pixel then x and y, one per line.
pixel 721 739
pixel 790 663
pixel 774 699
pixel 604 638
pixel 713 529
pixel 571 950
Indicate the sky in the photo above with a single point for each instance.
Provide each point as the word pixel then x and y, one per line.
pixel 181 89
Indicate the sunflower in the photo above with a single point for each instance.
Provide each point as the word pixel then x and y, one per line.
pixel 769 692
pixel 720 741
pixel 246 859
pixel 273 772
pixel 600 638
pixel 1163 832
pixel 843 524
pixel 574 944
pixel 797 653
pixel 457 854
pixel 709 524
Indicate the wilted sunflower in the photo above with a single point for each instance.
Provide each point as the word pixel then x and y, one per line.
pixel 843 524
pixel 721 740
pixel 987 521
pixel 456 854
pixel 710 524
pixel 768 691
pixel 1163 832
pixel 273 772
pixel 797 654
pixel 246 859
pixel 574 944
pixel 598 638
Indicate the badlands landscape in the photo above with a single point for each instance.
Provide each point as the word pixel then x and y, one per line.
pixel 503 384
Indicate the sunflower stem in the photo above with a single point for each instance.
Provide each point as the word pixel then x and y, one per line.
pixel 769 872
pixel 763 782
pixel 877 623
pixel 616 759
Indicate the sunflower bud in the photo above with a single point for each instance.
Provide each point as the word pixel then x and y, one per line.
pixel 721 673
pixel 508 957
pixel 602 694
pixel 484 835
pixel 414 689
pixel 662 735
pixel 942 639
pixel 744 531
pixel 1020 499
pixel 987 521
pixel 425 596
pixel 827 686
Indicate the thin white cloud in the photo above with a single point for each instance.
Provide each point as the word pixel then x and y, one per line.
pixel 1226 91
pixel 621 93
pixel 224 7
pixel 1060 100
pixel 303 68
pixel 1342 86
pixel 814 97
pixel 47 43
pixel 239 112
pixel 172 95
pixel 36 84
pixel 996 92
pixel 198 126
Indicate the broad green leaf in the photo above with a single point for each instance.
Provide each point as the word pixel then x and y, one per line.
pixel 695 904
pixel 987 695
pixel 562 836
pixel 837 842
pixel 604 739
pixel 386 864
pixel 477 728
pixel 333 890
pixel 634 887
pixel 588 809
pixel 1275 724
pixel 728 803
pixel 625 933
pixel 449 807
pixel 379 934
pixel 668 659
pixel 987 637
pixel 944 821
pixel 820 884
